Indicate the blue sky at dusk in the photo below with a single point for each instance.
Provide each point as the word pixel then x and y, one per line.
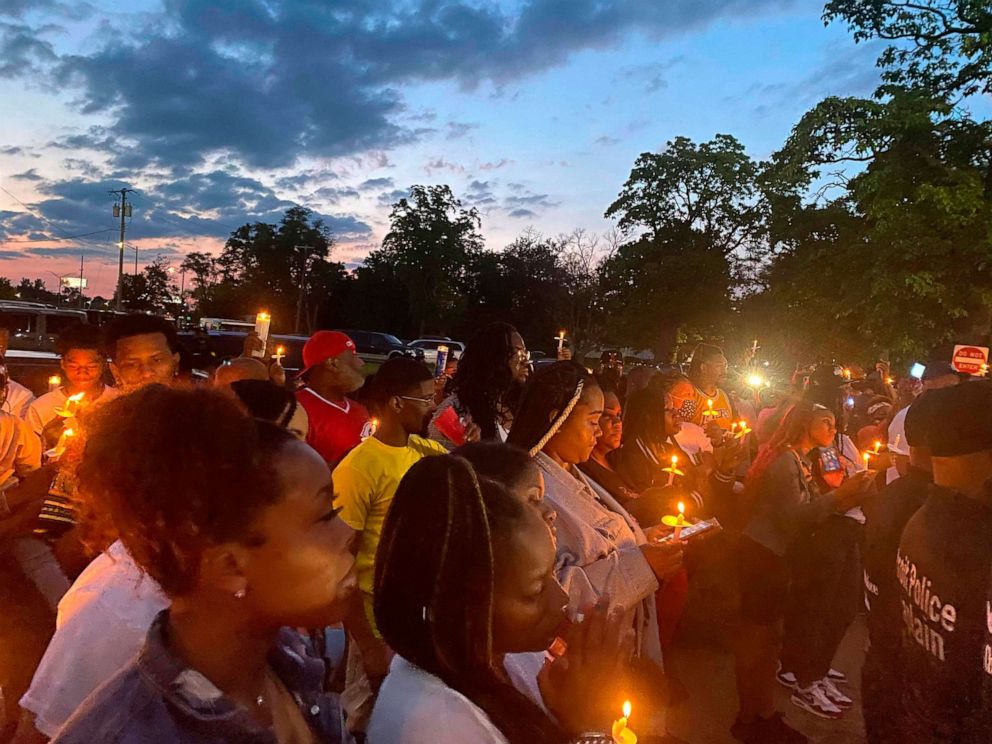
pixel 227 112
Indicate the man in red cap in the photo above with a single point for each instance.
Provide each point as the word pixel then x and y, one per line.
pixel 332 369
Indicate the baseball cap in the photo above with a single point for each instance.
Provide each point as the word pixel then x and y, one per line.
pixel 323 345
pixel 960 419
pixel 828 376
pixel 917 425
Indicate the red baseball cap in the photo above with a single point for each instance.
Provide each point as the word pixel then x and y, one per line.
pixel 323 345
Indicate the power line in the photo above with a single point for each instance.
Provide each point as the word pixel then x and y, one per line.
pixel 67 237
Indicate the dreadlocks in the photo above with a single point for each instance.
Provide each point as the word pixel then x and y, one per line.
pixel 484 381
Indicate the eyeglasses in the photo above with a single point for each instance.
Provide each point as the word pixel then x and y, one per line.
pixel 426 400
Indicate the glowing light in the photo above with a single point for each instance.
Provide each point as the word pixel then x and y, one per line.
pixel 755 380
pixel 626 709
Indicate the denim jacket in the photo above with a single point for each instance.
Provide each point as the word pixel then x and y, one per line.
pixel 156 698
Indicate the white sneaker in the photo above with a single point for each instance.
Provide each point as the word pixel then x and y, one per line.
pixel 786 679
pixel 834 695
pixel 837 676
pixel 813 699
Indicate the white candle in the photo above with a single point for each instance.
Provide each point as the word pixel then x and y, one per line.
pixel 262 322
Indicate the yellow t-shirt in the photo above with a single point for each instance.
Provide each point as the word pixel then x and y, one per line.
pixel 721 406
pixel 365 482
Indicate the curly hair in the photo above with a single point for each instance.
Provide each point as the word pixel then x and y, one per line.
pixel 434 595
pixel 483 380
pixel 547 394
pixel 178 470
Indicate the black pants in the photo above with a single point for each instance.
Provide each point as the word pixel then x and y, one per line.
pixel 824 596
pixel 881 705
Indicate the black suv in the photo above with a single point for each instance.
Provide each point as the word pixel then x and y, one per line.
pixel 377 347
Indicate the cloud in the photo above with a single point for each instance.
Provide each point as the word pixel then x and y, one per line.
pixel 457 130
pixel 606 141
pixel 389 198
pixel 271 81
pixel 22 52
pixel 334 194
pixel 29 175
pixel 501 163
pixel 523 213
pixel 375 183
pixel 299 180
pixel 440 164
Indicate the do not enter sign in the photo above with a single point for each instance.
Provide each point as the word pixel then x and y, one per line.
pixel 971 360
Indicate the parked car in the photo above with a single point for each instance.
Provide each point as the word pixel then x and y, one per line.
pixel 35 326
pixel 377 347
pixel 429 345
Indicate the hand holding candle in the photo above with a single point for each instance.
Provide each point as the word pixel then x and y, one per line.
pixel 709 412
pixel 54 382
pixel 279 355
pixel 621 733
pixel 743 429
pixel 262 323
pixel 678 522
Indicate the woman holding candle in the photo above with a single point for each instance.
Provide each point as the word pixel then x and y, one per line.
pixel 785 507
pixel 601 548
pixel 465 583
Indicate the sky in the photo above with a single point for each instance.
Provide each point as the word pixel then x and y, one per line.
pixel 222 112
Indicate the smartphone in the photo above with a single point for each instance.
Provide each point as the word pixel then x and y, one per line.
pixel 694 530
pixel 917 370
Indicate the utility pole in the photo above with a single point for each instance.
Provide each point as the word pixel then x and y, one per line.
pixel 304 256
pixel 121 210
pixel 80 281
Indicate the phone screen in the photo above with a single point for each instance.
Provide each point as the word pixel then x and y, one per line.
pixel 917 370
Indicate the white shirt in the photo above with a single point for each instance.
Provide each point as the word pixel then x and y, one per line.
pixel 20 449
pixel 416 707
pixel 101 625
pixel 897 441
pixel 42 411
pixel 693 440
pixel 19 398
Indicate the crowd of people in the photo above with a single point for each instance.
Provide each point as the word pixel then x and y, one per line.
pixel 507 554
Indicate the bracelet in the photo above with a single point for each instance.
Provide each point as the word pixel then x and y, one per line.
pixel 592 737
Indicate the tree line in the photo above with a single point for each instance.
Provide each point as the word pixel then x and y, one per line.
pixel 868 233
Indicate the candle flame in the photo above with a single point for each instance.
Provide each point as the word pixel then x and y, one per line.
pixel 75 398
pixel 675 460
pixel 709 402
pixel 626 709
pixel 263 315
pixel 280 350
pixel 681 507
pixel 878 445
pixel 69 433
pixel 54 380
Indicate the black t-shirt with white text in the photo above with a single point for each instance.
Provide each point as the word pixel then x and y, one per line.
pixel 943 570
pixel 886 515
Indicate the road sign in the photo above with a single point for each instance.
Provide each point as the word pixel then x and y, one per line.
pixel 971 360
pixel 73 282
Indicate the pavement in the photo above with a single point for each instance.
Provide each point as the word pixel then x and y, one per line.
pixel 701 659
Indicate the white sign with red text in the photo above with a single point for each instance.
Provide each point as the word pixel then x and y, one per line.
pixel 971 360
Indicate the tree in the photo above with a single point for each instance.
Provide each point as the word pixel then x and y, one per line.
pixel 150 291
pixel 944 46
pixel 203 268
pixel 894 255
pixel 272 266
pixel 698 211
pixel 35 291
pixel 430 244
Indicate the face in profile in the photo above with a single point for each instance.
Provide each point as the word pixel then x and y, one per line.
pixel 303 570
pixel 529 606
pixel 519 361
pixel 823 429
pixel 142 360
pixel 529 489
pixel 610 423
pixel 577 437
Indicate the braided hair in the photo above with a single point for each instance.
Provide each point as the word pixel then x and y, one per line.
pixel 547 401
pixel 434 594
pixel 483 381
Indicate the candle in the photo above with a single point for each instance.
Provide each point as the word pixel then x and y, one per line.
pixel 878 446
pixel 709 409
pixel 280 354
pixel 54 382
pixel 676 521
pixel 262 322
pixel 561 340
pixel 621 733
pixel 673 470
pixel 71 406
pixel 63 442
pixel 867 457
pixel 744 429
pixel 370 428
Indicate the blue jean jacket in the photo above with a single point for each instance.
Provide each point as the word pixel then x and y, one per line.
pixel 156 698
